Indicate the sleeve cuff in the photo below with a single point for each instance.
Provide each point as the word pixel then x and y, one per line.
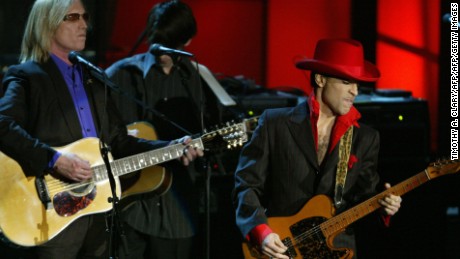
pixel 53 160
pixel 385 220
pixel 258 234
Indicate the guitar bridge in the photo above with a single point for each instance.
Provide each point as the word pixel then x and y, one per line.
pixel 42 192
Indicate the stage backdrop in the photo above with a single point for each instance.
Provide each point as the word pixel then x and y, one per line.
pixel 261 40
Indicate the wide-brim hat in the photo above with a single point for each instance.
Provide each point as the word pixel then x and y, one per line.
pixel 343 58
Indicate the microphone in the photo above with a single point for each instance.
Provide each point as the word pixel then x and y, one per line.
pixel 158 49
pixel 447 18
pixel 75 58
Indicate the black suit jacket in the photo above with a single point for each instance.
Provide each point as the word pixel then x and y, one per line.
pixel 278 170
pixel 37 97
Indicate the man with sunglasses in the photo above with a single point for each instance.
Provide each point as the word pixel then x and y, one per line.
pixel 58 103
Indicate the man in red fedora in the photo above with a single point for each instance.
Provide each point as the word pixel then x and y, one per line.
pixel 297 156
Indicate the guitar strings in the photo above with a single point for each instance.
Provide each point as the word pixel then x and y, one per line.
pixel 56 185
pixel 333 222
pixel 317 230
pixel 398 189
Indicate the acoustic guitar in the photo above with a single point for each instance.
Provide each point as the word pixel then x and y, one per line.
pixel 155 179
pixel 310 232
pixel 33 210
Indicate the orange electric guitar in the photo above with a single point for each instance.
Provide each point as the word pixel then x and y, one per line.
pixel 33 210
pixel 310 232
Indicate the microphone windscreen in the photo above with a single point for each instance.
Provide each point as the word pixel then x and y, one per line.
pixel 154 48
pixel 73 57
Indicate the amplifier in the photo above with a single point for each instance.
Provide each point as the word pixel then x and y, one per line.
pixel 403 124
pixel 255 104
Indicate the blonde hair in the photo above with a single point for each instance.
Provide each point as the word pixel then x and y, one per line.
pixel 42 24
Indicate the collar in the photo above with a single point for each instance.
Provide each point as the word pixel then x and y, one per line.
pixel 65 69
pixel 143 62
pixel 342 122
pixel 145 65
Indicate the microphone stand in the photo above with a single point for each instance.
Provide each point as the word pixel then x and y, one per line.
pixel 206 167
pixel 207 208
pixel 225 100
pixel 114 222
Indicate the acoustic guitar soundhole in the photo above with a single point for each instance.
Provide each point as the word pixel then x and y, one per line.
pixel 70 202
pixel 311 242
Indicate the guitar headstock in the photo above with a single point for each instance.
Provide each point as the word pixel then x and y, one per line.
pixel 443 167
pixel 230 136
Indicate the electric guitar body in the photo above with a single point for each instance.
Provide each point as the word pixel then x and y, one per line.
pixel 311 231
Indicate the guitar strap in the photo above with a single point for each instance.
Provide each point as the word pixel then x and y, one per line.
pixel 342 167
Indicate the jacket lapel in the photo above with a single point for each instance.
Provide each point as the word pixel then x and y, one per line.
pixel 64 99
pixel 300 127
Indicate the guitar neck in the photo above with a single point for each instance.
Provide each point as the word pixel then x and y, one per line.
pixel 250 124
pixel 143 160
pixel 351 215
pixel 229 136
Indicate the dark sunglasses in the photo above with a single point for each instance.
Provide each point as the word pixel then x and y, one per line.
pixel 73 17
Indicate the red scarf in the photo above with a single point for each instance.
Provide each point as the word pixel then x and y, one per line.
pixel 342 122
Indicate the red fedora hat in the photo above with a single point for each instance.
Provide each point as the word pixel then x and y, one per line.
pixel 343 58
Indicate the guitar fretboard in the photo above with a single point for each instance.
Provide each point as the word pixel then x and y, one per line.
pixel 140 161
pixel 344 219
